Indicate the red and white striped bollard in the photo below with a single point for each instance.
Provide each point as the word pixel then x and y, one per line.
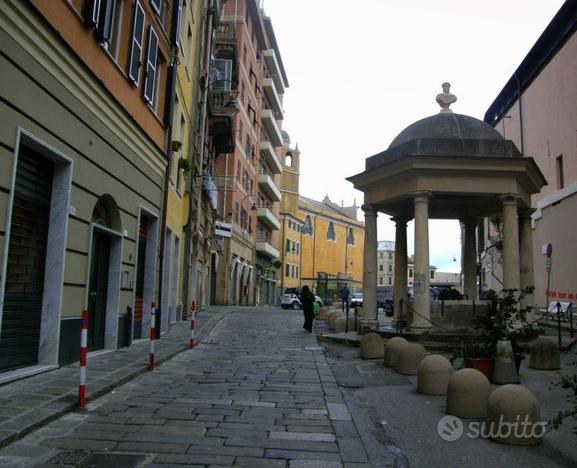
pixel 152 336
pixel 192 323
pixel 83 351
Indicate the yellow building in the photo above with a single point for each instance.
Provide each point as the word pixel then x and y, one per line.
pixel 332 241
pixel 291 224
pixel 186 92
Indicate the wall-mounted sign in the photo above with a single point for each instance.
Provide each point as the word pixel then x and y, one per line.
pixel 222 229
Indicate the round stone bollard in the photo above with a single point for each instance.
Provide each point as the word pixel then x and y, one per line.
pixel 333 316
pixel 468 394
pixel 392 348
pixel 505 371
pixel 410 356
pixel 514 416
pixel 354 323
pixel 328 316
pixel 433 374
pixel 372 346
pixel 545 355
pixel 340 325
pixel 322 313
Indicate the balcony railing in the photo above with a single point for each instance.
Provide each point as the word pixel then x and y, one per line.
pixel 267 218
pixel 269 121
pixel 266 183
pixel 269 154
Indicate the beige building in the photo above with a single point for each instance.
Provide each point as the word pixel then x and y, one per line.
pixel 537 110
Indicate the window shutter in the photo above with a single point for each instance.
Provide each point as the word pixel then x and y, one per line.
pixel 156 4
pixel 136 48
pixel 91 13
pixel 178 24
pixel 104 27
pixel 151 58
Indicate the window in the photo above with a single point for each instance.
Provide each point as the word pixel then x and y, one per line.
pixel 105 16
pixel 381 255
pixel 560 174
pixel 189 46
pixel 296 272
pixel 151 67
pixel 307 227
pixel 221 74
pixel 287 270
pixel 390 268
pixel 390 255
pixel 351 237
pixel 410 272
pixel 331 232
pixel 380 280
pixel 156 6
pixel 390 280
pixel 288 245
pixel 298 248
pixel 236 212
pixel 136 47
pixel 432 274
pixel 293 271
pixel 380 267
pixel 288 160
pixel 176 32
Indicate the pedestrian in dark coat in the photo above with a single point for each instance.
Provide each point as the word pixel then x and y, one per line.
pixel 308 301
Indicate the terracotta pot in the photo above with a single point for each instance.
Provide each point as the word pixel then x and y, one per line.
pixel 485 365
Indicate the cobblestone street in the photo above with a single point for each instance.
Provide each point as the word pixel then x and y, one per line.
pixel 256 392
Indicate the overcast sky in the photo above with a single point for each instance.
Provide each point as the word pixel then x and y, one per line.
pixel 360 72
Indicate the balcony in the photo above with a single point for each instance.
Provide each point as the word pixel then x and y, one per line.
pixel 273 97
pixel 269 121
pixel 273 69
pixel 267 151
pixel 222 107
pixel 266 217
pixel 264 248
pixel 268 186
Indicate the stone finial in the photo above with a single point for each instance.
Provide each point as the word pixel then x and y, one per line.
pixel 445 99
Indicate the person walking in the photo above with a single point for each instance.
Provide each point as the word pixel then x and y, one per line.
pixel 345 293
pixel 308 301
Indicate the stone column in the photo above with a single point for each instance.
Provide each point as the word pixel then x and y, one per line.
pixel 470 259
pixel 527 278
pixel 511 269
pixel 370 269
pixel 421 304
pixel 400 284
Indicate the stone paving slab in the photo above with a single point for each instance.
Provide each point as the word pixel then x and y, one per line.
pixel 35 401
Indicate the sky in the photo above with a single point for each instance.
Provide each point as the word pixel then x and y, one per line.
pixel 361 71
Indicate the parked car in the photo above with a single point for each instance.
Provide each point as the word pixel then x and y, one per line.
pixel 293 301
pixel 356 300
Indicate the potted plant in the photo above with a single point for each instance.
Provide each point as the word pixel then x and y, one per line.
pixel 507 320
pixel 478 354
pixel 184 165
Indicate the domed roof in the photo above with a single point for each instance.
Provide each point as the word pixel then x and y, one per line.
pixel 285 138
pixel 447 125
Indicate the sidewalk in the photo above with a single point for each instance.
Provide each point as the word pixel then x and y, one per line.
pixel 33 402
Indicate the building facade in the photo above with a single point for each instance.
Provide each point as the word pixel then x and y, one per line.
pixel 86 111
pixel 331 247
pixel 536 109
pixel 247 270
pixel 291 224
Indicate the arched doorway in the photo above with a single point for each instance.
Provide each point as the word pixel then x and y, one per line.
pixel 104 275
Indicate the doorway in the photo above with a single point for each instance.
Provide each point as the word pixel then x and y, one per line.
pixel 98 290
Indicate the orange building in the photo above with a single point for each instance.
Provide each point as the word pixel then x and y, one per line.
pixel 87 87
